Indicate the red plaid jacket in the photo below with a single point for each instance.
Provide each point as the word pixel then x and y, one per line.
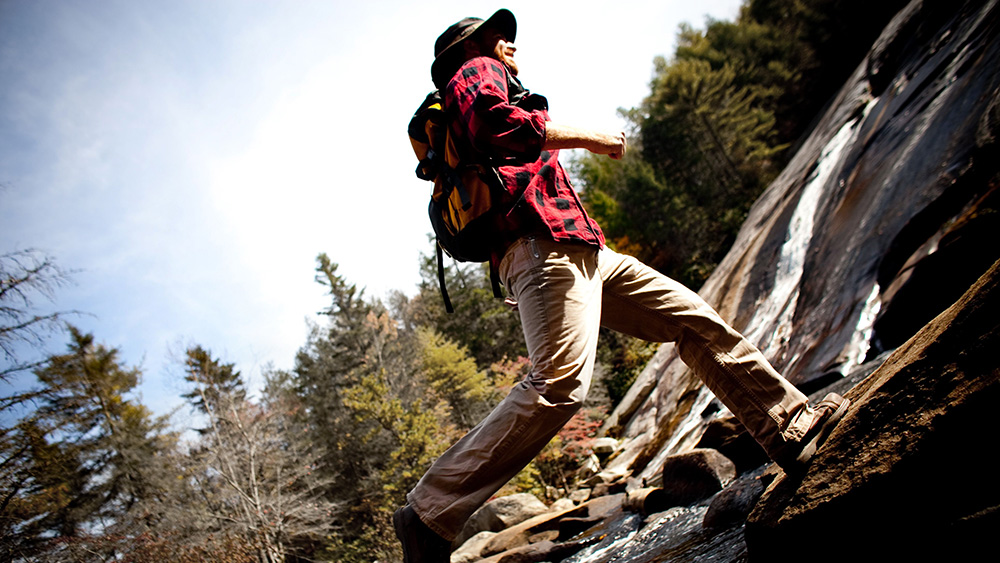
pixel 480 101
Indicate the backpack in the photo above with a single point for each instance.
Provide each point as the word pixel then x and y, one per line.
pixel 466 195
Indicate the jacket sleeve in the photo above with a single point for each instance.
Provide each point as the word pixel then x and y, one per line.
pixel 493 125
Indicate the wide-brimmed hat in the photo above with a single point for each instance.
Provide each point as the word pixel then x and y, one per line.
pixel 447 57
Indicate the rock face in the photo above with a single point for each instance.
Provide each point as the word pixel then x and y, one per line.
pixel 886 214
pixel 903 460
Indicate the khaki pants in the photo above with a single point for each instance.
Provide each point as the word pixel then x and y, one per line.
pixel 565 292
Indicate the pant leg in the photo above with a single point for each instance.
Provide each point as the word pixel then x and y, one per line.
pixel 559 299
pixel 641 302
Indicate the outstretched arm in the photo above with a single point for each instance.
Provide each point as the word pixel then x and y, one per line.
pixel 565 137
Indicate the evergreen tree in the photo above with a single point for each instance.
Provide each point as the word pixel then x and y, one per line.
pixel 331 361
pixel 452 375
pixel 84 459
pixel 211 382
pixel 352 378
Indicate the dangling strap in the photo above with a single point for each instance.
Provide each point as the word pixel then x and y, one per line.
pixel 444 290
pixel 495 281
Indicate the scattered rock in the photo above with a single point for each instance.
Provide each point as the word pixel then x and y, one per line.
pixel 733 504
pixel 562 505
pixel 732 440
pixel 590 467
pixel 547 535
pixel 646 501
pixel 538 552
pixel 500 514
pixel 602 489
pixel 580 495
pixel 472 549
pixel 571 526
pixel 696 475
pixel 605 476
pixel 604 447
pixel 521 534
pixel 603 506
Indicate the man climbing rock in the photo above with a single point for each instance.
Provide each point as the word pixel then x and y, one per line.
pixel 551 258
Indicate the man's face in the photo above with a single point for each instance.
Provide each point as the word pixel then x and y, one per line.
pixel 492 43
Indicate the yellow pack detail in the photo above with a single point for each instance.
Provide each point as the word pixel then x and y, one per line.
pixel 463 192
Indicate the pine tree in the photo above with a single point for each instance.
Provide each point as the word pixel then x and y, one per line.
pixel 211 382
pixel 330 362
pixel 84 459
pixel 355 352
pixel 451 373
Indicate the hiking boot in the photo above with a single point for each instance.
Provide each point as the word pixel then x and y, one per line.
pixel 420 543
pixel 829 411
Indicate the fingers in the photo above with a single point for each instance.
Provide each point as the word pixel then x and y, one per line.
pixel 619 152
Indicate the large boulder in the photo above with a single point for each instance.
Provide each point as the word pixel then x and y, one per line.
pixel 696 475
pixel 907 463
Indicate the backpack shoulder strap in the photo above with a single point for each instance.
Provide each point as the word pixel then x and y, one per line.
pixel 427 131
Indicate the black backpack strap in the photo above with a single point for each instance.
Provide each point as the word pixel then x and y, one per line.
pixel 444 290
pixel 427 169
pixel 455 179
pixel 495 281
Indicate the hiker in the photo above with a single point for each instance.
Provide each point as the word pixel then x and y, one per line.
pixel 552 261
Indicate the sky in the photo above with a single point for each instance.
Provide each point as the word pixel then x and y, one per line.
pixel 189 159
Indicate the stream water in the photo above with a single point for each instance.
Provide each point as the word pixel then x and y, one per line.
pixel 771 325
pixel 675 535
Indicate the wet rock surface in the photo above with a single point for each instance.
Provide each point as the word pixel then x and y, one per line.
pixel 733 504
pixel 868 268
pixel 928 408
pixel 879 222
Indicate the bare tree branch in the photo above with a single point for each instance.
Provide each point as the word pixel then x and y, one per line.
pixel 25 276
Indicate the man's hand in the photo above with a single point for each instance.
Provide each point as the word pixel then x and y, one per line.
pixel 564 137
pixel 618 146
